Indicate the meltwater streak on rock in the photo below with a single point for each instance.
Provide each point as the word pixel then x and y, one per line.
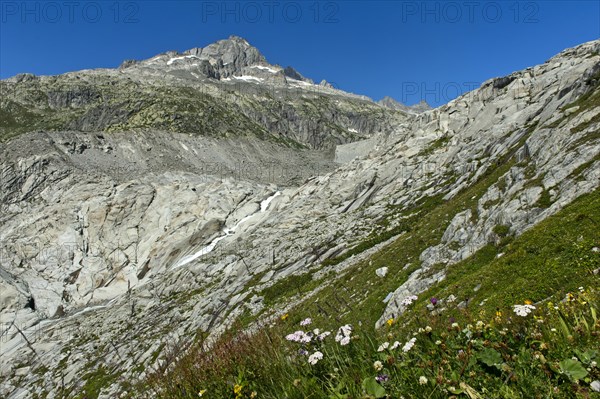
pixel 264 205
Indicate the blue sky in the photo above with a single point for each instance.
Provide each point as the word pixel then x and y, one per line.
pixel 410 50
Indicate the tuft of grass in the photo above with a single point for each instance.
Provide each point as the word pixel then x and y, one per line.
pixel 294 284
pixel 94 382
pixel 501 230
pixel 545 200
pixel 436 145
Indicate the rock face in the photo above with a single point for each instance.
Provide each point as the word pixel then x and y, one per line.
pixel 115 245
pixel 389 102
pixel 227 57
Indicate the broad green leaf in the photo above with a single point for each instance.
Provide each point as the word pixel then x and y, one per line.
pixel 336 393
pixel 587 356
pixel 573 369
pixel 372 387
pixel 455 376
pixel 490 357
pixel 472 362
pixel 455 391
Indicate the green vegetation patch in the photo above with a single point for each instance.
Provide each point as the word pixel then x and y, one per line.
pixel 294 284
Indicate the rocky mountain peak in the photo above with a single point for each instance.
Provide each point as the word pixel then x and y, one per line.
pixel 227 59
pixel 233 50
pixel 237 39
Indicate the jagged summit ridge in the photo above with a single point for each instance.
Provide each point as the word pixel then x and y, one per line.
pixel 224 60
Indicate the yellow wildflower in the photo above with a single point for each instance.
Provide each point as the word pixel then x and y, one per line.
pixel 390 322
pixel 202 392
pixel 570 297
pixel 284 317
pixel 237 389
pixel 528 302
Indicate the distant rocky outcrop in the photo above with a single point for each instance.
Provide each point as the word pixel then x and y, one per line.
pixel 389 102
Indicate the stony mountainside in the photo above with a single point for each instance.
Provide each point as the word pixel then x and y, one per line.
pixel 117 242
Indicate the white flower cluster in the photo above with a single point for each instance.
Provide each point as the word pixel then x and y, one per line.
pixel 299 336
pixel 315 357
pixel 322 335
pixel 408 300
pixel 523 310
pixel 305 338
pixel 311 337
pixel 343 334
pixel 378 366
pixel 408 346
pixel 383 347
pixel 396 345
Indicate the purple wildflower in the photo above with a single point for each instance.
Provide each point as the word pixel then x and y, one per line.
pixel 433 301
pixel 382 378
